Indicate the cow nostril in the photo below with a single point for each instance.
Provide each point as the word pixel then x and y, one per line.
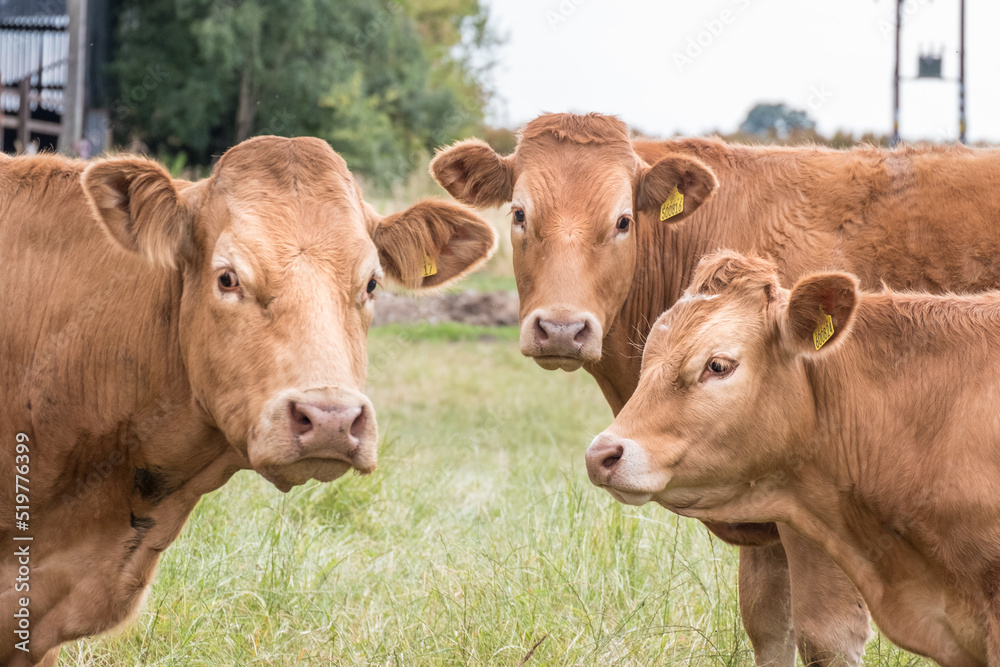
pixel 583 333
pixel 611 460
pixel 540 331
pixel 301 424
pixel 360 424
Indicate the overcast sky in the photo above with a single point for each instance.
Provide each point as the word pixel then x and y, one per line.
pixel 690 67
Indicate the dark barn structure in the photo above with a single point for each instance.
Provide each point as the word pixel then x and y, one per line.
pixel 53 61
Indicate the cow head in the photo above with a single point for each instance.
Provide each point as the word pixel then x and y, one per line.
pixel 723 398
pixel 576 189
pixel 279 258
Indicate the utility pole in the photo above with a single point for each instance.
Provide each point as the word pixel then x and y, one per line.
pixel 961 71
pixel 895 78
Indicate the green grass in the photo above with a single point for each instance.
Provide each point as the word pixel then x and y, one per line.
pixel 396 335
pixel 486 282
pixel 478 536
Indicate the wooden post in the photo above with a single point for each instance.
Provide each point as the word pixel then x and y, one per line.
pixel 74 95
pixel 24 113
pixel 961 71
pixel 895 79
pixel 3 131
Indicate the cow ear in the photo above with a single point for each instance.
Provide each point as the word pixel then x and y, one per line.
pixel 820 312
pixel 432 243
pixel 138 203
pixel 474 174
pixel 674 187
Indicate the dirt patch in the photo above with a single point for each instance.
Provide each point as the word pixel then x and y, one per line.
pixel 470 307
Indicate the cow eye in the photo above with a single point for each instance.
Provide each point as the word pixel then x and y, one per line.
pixel 718 367
pixel 519 216
pixel 229 281
pixel 623 223
pixel 372 284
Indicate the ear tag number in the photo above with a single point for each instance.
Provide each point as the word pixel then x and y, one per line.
pixel 824 331
pixel 430 266
pixel 674 205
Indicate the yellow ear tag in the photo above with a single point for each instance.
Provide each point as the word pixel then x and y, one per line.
pixel 430 266
pixel 674 205
pixel 824 331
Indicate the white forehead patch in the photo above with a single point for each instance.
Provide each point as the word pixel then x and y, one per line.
pixel 227 256
pixel 521 198
pixel 624 204
pixel 697 297
pixel 688 298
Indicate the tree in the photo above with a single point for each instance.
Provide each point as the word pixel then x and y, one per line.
pixel 775 120
pixel 384 81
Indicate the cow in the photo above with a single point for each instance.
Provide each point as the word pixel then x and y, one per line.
pixel 866 421
pixel 159 335
pixel 606 233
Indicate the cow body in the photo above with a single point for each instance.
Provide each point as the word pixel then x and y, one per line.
pixel 924 219
pixel 160 335
pixel 882 446
pixel 93 376
pixel 596 265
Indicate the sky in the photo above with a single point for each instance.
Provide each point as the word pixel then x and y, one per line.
pixel 692 67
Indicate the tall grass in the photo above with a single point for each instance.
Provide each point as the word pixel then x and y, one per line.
pixel 477 539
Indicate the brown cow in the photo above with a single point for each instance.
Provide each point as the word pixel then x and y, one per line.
pixel 159 335
pixel 867 422
pixel 603 243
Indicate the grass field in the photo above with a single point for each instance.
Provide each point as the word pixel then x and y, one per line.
pixel 478 537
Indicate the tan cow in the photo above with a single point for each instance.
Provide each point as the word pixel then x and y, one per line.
pixel 606 233
pixel 865 421
pixel 159 335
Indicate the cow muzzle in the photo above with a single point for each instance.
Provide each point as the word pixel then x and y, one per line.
pixel 561 338
pixel 622 468
pixel 315 434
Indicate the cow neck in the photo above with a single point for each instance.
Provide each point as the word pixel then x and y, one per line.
pixel 666 256
pixel 136 357
pixel 903 444
pixel 148 329
pixel 657 283
pixel 890 394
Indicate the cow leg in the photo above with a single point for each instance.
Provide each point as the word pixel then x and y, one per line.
pixel 831 618
pixel 765 604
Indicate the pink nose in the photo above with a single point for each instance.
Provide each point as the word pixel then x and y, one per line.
pixel 603 456
pixel 566 337
pixel 571 335
pixel 329 430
